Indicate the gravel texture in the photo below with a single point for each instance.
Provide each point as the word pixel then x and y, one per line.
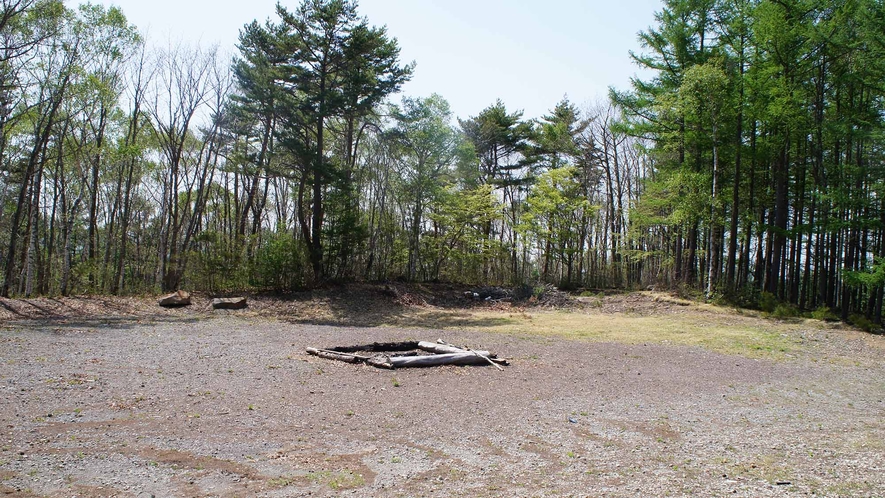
pixel 190 405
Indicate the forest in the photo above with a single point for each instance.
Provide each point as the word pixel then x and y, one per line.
pixel 747 169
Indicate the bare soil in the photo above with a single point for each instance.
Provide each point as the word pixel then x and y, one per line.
pixel 116 397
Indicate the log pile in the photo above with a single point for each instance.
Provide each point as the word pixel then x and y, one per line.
pixel 393 355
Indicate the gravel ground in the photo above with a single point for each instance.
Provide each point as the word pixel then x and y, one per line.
pixel 187 405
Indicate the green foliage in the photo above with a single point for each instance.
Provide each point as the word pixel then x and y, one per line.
pixel 558 137
pixel 458 245
pixel 758 138
pixel 824 314
pixel 863 323
pixel 743 297
pixel 322 63
pixel 280 264
pixel 768 302
pixel 498 139
pixel 870 279
pixel 554 209
pixel 785 311
pixel 216 265
pixel 428 148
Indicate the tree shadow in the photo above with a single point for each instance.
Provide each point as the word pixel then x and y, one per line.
pixel 369 308
pixel 62 325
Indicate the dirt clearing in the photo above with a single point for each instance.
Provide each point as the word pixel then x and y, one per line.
pixel 186 403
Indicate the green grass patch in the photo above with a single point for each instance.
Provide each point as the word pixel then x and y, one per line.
pixel 339 479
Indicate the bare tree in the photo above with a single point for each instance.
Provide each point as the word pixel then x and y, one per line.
pixel 180 90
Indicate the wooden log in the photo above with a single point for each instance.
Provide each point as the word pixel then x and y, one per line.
pixel 484 354
pixel 432 347
pixel 380 361
pixel 335 355
pixel 433 360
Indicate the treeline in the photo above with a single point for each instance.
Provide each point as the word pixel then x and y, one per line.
pixel 767 124
pixel 751 162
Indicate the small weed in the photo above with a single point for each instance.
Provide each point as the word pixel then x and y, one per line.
pixel 251 407
pixel 395 382
pixel 344 479
pixel 282 481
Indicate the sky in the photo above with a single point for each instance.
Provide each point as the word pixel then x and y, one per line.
pixel 528 53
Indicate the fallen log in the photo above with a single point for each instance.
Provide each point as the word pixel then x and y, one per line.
pixel 432 347
pixel 335 355
pixel 483 354
pixel 380 361
pixel 433 360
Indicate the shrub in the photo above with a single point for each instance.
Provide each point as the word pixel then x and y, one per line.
pixel 862 322
pixel 825 314
pixel 783 311
pixel 280 264
pixel 768 302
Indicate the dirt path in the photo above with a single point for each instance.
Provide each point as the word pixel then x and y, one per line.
pixel 229 406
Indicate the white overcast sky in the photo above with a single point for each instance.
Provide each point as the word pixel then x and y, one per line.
pixel 528 53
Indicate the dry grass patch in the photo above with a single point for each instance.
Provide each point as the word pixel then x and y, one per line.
pixel 723 332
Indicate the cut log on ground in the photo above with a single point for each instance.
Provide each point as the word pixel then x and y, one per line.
pixel 380 361
pixel 176 299
pixel 432 347
pixel 335 355
pixel 229 303
pixel 484 354
pixel 434 360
